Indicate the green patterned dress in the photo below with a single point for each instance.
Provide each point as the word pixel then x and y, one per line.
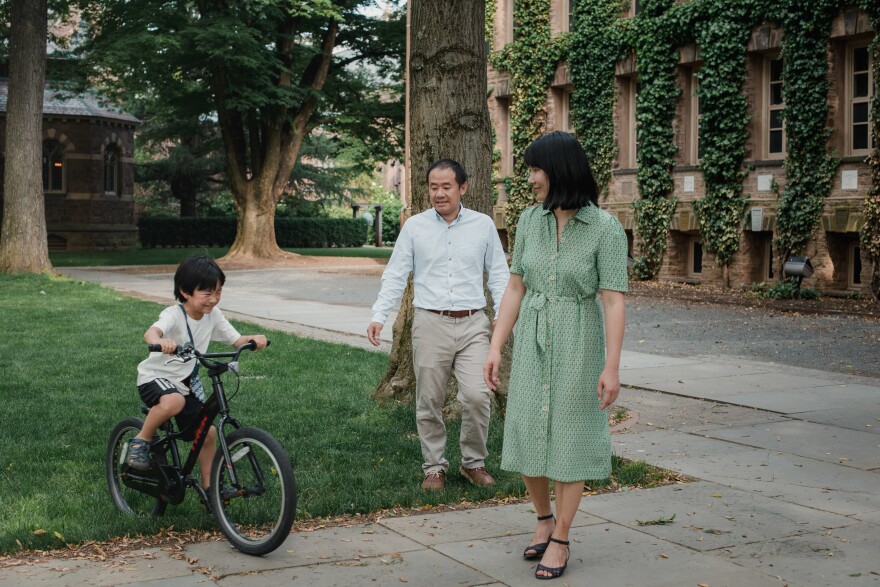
pixel 554 427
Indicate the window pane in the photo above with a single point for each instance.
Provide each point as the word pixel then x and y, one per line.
pixel 857 266
pixel 698 257
pixel 775 141
pixel 860 113
pixel 776 119
pixel 860 137
pixel 860 85
pixel 860 59
pixel 776 70
pixel 57 174
pixel 775 94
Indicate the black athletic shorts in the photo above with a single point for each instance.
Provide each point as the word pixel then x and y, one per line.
pixel 187 419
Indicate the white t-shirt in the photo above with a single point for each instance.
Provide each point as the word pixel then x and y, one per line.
pixel 213 326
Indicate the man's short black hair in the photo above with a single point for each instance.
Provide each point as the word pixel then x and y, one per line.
pixel 197 272
pixel 455 166
pixel 561 157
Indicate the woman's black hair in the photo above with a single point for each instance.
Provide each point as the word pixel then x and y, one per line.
pixel 197 272
pixel 560 156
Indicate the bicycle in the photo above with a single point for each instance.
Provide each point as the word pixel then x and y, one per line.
pixel 253 498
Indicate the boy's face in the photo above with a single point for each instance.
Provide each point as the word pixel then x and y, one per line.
pixel 202 301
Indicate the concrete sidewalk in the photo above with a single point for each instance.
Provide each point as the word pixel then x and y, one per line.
pixel 788 462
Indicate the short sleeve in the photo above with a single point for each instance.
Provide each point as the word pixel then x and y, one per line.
pixel 223 331
pixel 167 321
pixel 516 265
pixel 612 257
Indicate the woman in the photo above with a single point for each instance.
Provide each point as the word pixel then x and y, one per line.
pixel 565 365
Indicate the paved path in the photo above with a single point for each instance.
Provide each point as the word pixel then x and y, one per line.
pixel 788 462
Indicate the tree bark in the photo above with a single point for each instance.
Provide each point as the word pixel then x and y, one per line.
pixel 449 118
pixel 24 243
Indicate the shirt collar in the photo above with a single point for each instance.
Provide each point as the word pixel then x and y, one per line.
pixel 461 212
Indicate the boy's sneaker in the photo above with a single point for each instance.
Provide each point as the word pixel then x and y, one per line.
pixel 139 454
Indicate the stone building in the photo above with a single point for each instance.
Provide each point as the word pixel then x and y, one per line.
pixel 88 171
pixel 834 251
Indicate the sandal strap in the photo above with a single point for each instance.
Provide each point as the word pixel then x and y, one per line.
pixel 562 542
pixel 547 517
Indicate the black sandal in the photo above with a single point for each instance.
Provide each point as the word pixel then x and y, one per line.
pixel 539 548
pixel 555 572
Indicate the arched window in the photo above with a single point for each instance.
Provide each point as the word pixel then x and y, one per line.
pixel 53 166
pixel 111 170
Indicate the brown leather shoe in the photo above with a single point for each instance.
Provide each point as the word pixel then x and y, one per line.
pixel 478 476
pixel 434 481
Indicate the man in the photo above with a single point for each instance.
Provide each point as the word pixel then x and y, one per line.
pixel 447 248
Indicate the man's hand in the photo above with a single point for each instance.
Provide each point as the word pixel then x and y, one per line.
pixel 373 331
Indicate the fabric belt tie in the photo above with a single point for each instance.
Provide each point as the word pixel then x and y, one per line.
pixel 538 302
pixel 456 313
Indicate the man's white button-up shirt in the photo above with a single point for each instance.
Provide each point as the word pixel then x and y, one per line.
pixel 447 261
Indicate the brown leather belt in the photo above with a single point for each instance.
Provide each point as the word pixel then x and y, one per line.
pixel 456 313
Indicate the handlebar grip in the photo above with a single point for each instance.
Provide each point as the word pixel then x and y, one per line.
pixel 157 348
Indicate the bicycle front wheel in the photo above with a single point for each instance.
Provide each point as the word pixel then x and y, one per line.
pixel 127 500
pixel 255 514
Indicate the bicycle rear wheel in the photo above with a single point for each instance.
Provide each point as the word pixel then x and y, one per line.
pixel 256 516
pixel 127 500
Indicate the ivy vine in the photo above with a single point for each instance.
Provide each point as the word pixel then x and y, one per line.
pixel 531 60
pixel 809 169
pixel 870 232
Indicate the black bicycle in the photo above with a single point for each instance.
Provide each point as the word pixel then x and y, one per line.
pixel 253 490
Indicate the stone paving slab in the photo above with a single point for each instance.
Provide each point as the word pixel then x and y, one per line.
pixel 687 372
pixel 824 486
pixel 432 529
pixel 138 567
pixel 327 545
pixel 844 556
pixel 861 416
pixel 633 360
pixel 731 389
pixel 607 554
pixel 193 580
pixel 795 401
pixel 709 516
pixel 418 568
pixel 807 439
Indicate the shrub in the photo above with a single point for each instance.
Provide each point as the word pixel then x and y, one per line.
pixel 220 232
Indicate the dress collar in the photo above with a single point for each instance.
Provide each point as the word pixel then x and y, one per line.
pixel 586 214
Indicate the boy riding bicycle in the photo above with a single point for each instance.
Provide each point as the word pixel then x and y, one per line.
pixel 174 388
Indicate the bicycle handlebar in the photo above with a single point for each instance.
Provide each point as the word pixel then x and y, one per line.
pixel 249 345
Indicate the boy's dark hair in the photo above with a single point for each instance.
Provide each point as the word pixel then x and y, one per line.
pixel 197 272
pixel 561 157
pixel 455 166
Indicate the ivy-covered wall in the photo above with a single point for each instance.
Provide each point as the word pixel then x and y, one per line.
pixel 603 34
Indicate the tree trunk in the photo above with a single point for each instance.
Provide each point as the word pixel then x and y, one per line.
pixel 24 242
pixel 449 118
pixel 255 224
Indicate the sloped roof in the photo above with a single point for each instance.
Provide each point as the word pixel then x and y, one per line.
pixel 60 103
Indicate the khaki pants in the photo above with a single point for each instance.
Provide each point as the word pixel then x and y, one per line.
pixel 443 346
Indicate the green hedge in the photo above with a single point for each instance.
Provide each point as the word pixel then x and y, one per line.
pixel 220 232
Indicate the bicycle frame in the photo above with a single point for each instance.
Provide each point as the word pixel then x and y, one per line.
pixel 169 481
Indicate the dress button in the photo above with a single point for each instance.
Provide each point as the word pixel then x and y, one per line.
pixel 548 341
pixel 552 278
pixel 546 386
pixel 544 409
pixel 549 321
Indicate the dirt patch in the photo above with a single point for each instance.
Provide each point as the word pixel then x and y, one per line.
pixel 707 294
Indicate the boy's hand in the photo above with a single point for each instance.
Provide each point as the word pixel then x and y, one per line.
pixel 260 339
pixel 168 345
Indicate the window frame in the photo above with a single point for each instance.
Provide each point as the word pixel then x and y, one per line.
pixel 851 100
pixel 49 147
pixel 628 133
pixel 117 168
pixel 768 108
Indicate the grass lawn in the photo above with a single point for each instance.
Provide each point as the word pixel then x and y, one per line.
pixel 173 256
pixel 69 354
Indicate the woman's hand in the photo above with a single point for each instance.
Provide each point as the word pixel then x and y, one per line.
pixel 608 388
pixel 490 369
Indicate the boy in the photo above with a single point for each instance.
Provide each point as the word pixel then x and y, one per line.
pixel 167 388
